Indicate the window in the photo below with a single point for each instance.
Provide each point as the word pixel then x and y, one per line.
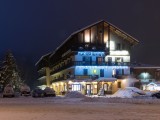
pixel 87 36
pixel 119 84
pixel 76 87
pixel 105 86
pixel 118 59
pixel 118 46
pixel 80 37
pixel 87 60
pixel 100 60
pixel 113 72
pixel 109 60
pixel 106 34
pixel 101 72
pixel 123 46
pixel 93 34
pixel 122 71
pixel 85 71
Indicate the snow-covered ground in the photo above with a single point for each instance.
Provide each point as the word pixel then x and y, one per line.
pixel 88 108
pixel 123 105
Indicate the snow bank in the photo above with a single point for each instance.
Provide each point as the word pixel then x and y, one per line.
pixel 128 92
pixel 145 100
pixel 74 94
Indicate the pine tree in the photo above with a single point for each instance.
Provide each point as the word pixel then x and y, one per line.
pixel 9 72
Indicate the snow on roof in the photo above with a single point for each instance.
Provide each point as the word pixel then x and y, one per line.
pixel 106 79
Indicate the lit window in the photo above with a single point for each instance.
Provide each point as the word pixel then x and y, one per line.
pixel 76 87
pixel 112 45
pixel 113 72
pixel 87 36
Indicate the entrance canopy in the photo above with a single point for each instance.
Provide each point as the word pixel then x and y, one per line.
pixel 105 80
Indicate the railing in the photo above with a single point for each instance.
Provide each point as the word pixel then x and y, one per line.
pixel 88 63
pixel 94 63
pixel 41 75
pixel 77 77
pixel 86 77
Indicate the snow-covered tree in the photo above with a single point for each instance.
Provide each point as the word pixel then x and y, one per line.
pixel 9 72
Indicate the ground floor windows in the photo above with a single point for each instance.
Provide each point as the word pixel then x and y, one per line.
pixel 89 88
pixel 76 87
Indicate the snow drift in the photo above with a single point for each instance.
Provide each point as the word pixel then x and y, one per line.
pixel 128 92
pixel 74 94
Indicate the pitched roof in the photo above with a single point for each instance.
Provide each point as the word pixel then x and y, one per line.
pixel 43 57
pixel 118 31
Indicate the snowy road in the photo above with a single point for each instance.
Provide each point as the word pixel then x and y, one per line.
pixel 73 109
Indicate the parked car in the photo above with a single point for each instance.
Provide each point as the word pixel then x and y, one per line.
pixel 8 91
pixel 25 90
pixel 156 95
pixel 49 92
pixel 37 93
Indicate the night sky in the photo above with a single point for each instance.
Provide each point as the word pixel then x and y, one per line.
pixel 32 28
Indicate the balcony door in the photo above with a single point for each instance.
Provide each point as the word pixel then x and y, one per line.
pixel 88 89
pixel 87 60
pixel 99 60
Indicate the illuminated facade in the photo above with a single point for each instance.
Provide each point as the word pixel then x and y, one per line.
pixel 94 58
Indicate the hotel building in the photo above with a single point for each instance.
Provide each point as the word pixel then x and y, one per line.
pixel 93 59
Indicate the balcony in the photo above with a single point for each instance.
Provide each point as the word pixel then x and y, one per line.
pixel 94 63
pixel 77 77
pixel 88 63
pixel 41 75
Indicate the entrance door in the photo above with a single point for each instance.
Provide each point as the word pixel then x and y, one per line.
pixel 88 89
pixel 107 88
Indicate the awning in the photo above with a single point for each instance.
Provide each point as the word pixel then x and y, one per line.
pixel 105 80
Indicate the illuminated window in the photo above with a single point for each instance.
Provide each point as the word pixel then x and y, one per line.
pixel 113 72
pixel 119 84
pixel 105 87
pixel 76 87
pixel 87 36
pixel 112 45
pixel 105 35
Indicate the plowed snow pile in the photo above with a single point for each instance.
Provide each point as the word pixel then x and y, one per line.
pixel 128 92
pixel 74 94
